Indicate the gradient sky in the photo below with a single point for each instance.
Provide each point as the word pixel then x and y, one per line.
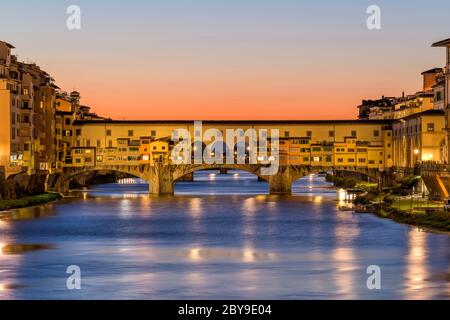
pixel 229 59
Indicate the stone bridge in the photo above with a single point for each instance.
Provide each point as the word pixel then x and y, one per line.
pixel 161 177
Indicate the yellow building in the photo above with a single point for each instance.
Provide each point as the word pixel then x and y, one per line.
pixel 419 138
pixel 352 143
pixel 27 96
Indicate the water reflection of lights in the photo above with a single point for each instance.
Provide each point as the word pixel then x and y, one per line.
pixel 194 255
pixel 248 255
pixel 131 181
pixel 212 176
pixel 416 273
pixel 249 206
pixel 3 224
pixel 345 198
pixel 318 199
pixel 195 207
pixel 236 176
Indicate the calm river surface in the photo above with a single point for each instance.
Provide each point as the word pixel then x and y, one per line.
pixel 220 237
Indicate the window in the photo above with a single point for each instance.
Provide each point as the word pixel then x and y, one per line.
pixel 438 96
pixel 340 160
pixel 351 160
pixel 67 121
pixel 25 91
pixel 88 160
pixel 98 144
pixel 286 134
pixel 328 158
pixel 100 158
pixel 351 150
pixel 130 133
pixel 153 133
pixel 308 133
pixel 25 105
pixel 110 143
pixel 108 133
pixel 26 147
pixel 88 143
pixel 13 118
pixel 430 126
pixel 78 143
pixel 305 158
pixel 362 160
pixel 316 149
pixel 77 160
pixel 78 132
pixel 354 133
pixel 376 133
pixel 371 161
pixel 331 134
pixel 13 133
pixel 388 134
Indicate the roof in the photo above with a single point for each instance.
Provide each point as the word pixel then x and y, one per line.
pixel 442 43
pixel 434 70
pixel 8 44
pixel 219 122
pixel 431 112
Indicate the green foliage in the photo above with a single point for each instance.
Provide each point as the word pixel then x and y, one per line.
pixel 28 201
pixel 342 182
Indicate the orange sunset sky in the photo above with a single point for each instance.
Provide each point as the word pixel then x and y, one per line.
pixel 229 59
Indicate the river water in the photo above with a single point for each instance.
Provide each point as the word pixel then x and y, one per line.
pixel 220 237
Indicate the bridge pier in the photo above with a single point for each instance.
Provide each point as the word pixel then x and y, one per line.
pixel 161 180
pixel 281 183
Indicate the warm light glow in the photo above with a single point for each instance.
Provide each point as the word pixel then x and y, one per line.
pixel 416 151
pixel 318 199
pixel 194 254
pixel 427 157
pixel 145 157
pixel 248 255
pixel 417 273
pixel 2 246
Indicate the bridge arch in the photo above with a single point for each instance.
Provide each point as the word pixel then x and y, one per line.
pixel 183 170
pixel 60 181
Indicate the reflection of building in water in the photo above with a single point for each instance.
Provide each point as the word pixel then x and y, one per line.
pixel 417 275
